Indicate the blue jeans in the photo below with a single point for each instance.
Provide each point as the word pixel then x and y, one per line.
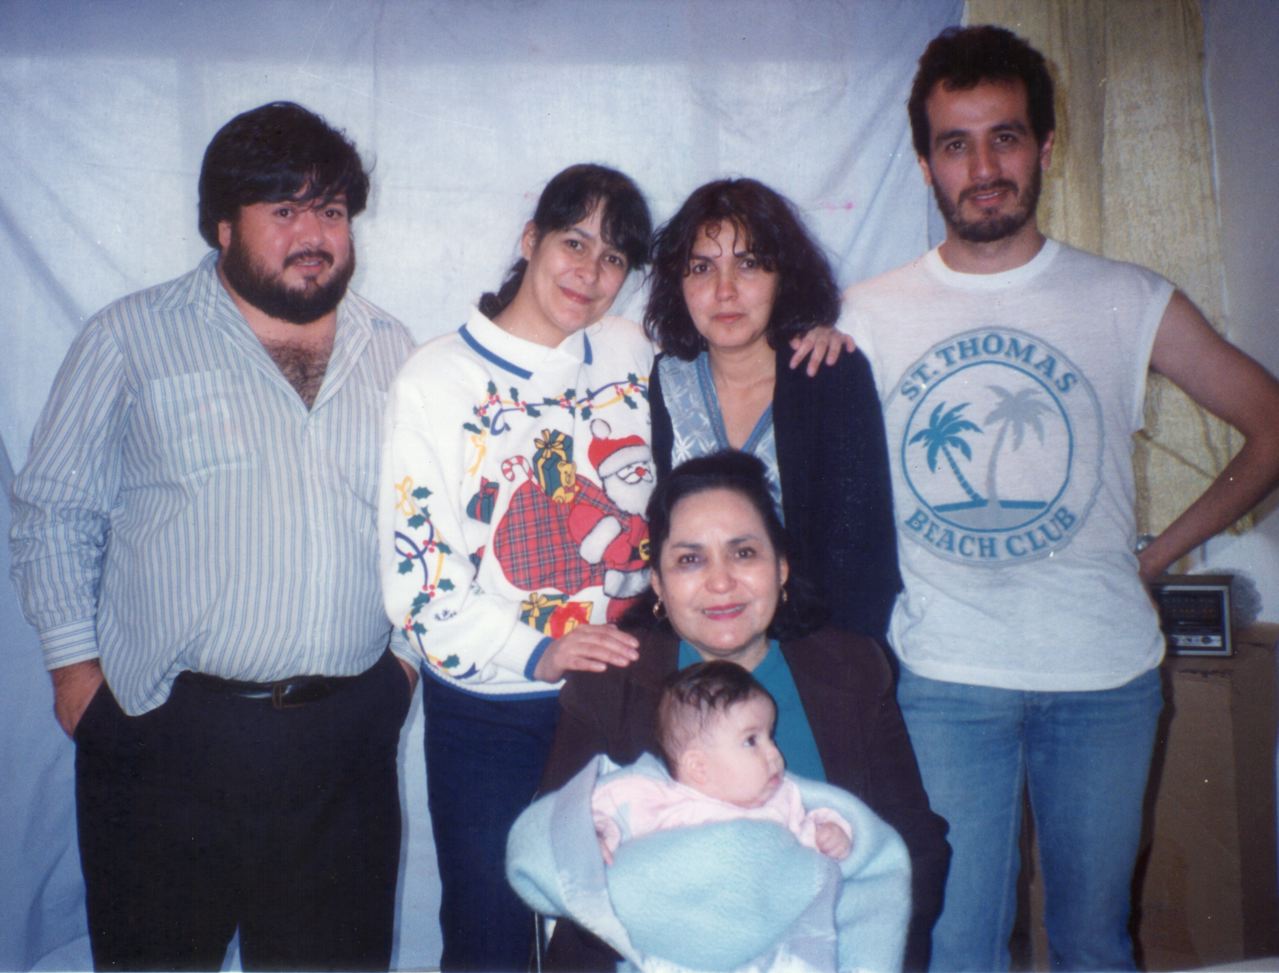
pixel 1085 758
pixel 484 761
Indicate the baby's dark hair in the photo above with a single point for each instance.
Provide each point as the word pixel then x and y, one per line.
pixel 693 698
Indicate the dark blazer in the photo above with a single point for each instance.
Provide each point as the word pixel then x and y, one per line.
pixel 837 496
pixel 846 687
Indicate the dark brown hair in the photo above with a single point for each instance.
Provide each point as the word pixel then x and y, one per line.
pixel 775 235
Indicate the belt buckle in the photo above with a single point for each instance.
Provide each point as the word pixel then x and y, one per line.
pixel 280 696
pixel 292 693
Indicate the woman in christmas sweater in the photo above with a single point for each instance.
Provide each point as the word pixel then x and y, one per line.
pixel 515 473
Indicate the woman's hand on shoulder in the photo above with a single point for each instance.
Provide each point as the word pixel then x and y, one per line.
pixel 821 345
pixel 587 648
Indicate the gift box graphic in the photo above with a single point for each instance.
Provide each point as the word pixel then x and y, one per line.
pixel 480 506
pixel 553 467
pixel 554 615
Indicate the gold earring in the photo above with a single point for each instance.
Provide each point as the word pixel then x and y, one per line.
pixel 785 595
pixel 657 610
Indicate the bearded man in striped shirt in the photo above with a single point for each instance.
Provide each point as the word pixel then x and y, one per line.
pixel 194 540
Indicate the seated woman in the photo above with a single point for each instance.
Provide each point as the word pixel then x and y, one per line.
pixel 735 279
pixel 714 858
pixel 719 592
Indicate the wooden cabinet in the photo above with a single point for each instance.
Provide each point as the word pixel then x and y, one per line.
pixel 1208 888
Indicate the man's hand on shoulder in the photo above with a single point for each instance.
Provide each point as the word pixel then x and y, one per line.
pixel 73 688
pixel 820 345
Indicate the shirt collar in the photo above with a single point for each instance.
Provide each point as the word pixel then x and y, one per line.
pixel 518 356
pixel 203 289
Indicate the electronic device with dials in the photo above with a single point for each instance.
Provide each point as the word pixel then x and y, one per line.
pixel 1194 612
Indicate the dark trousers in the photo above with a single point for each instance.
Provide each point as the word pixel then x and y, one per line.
pixel 484 761
pixel 215 812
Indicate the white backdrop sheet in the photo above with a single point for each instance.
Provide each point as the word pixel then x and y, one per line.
pixel 464 109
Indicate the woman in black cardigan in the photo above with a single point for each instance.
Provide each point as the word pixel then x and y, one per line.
pixel 735 278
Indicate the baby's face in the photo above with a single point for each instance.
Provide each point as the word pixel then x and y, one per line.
pixel 744 766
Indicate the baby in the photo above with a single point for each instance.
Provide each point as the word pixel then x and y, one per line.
pixel 715 732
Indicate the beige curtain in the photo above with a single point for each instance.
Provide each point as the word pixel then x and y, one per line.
pixel 1132 179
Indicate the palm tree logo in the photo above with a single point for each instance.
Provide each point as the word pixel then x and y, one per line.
pixel 944 433
pixel 1016 411
pixel 947 437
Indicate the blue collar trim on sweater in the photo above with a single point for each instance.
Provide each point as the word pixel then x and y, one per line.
pixel 497 360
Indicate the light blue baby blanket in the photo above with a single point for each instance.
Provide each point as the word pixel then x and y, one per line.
pixel 731 896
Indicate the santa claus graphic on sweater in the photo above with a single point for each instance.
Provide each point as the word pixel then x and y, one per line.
pixel 561 531
pixel 617 540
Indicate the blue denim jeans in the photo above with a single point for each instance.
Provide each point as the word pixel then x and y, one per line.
pixel 1085 758
pixel 484 760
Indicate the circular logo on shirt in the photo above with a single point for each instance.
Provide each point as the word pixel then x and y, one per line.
pixel 999 450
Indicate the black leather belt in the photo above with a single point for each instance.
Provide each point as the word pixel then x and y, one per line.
pixel 284 694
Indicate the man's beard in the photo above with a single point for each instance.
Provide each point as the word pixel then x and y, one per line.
pixel 990 228
pixel 269 294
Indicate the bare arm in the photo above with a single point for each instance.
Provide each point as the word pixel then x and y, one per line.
pixel 73 689
pixel 1237 390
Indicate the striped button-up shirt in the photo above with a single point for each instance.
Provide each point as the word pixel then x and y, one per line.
pixel 182 509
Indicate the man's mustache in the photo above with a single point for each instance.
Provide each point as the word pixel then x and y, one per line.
pixel 293 258
pixel 988 187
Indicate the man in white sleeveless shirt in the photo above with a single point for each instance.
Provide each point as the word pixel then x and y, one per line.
pixel 1012 370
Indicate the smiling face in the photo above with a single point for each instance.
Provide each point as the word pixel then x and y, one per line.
pixel 293 261
pixel 720 577
pixel 736 759
pixel 728 291
pixel 571 281
pixel 984 164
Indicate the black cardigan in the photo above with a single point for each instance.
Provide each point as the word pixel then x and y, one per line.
pixel 836 493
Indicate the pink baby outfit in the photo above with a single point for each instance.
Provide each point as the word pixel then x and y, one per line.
pixel 627 806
